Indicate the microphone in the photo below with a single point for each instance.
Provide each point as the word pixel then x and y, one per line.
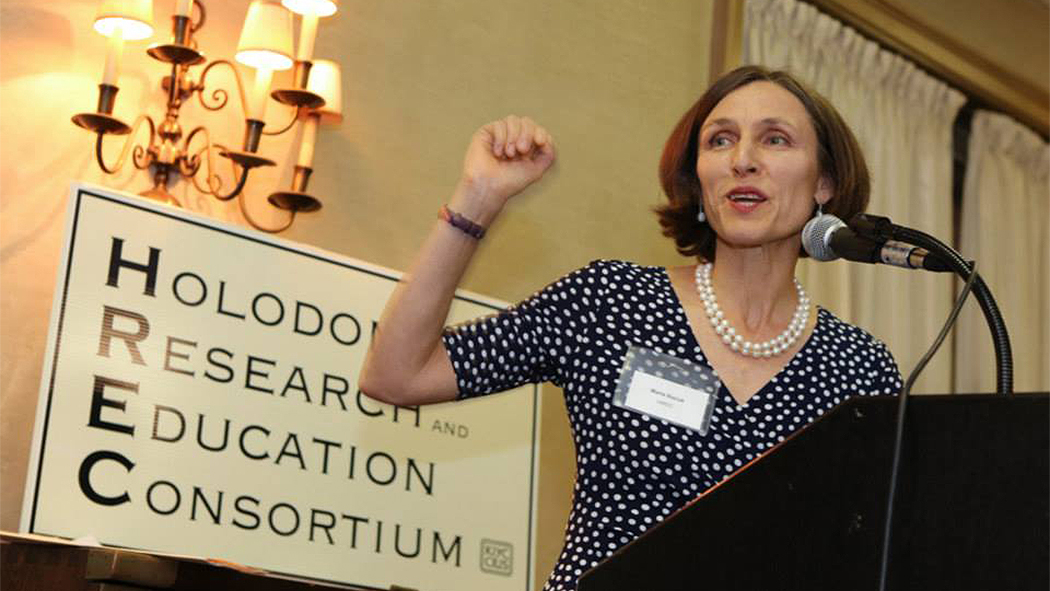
pixel 826 238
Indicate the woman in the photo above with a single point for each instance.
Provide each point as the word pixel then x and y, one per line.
pixel 745 168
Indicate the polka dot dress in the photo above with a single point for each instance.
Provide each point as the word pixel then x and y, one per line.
pixel 633 470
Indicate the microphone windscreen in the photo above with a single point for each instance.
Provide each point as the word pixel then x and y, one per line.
pixel 816 236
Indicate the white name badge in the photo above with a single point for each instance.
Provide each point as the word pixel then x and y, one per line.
pixel 667 388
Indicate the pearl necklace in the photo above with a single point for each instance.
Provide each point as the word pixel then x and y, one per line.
pixel 729 335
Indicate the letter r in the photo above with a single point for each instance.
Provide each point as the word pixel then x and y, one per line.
pixel 130 339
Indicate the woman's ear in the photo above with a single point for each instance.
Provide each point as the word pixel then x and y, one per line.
pixel 825 190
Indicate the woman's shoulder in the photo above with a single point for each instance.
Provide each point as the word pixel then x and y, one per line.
pixel 851 349
pixel 833 327
pixel 851 341
pixel 615 275
pixel 602 278
pixel 614 267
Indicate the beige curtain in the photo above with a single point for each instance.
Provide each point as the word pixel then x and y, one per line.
pixel 1005 210
pixel 903 120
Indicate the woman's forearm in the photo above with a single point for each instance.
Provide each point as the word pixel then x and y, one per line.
pixel 407 362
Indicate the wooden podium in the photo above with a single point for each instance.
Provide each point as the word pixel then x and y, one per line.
pixel 33 563
pixel 972 511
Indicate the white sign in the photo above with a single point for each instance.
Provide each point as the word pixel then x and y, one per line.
pixel 199 397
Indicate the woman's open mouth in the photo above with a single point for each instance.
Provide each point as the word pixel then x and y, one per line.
pixel 745 200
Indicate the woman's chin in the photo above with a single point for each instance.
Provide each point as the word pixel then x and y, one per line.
pixel 742 236
pixel 758 240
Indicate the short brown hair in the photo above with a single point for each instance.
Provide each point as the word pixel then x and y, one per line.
pixel 839 159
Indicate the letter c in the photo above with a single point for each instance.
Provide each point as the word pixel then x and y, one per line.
pixel 85 474
pixel 244 450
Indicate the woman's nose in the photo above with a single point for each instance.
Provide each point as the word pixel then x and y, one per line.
pixel 744 162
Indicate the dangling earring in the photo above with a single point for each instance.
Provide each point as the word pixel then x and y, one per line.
pixel 700 217
pixel 820 211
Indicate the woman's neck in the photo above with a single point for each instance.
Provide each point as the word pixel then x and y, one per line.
pixel 755 286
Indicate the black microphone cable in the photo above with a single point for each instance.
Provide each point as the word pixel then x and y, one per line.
pixel 902 405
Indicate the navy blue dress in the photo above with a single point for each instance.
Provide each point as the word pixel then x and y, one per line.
pixel 633 470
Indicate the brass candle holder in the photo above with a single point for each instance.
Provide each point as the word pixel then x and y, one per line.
pixel 169 151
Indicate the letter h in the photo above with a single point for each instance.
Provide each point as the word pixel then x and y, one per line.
pixel 116 262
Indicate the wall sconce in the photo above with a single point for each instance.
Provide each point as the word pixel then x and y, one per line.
pixel 325 82
pixel 266 45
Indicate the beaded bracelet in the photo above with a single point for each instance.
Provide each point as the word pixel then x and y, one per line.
pixel 461 223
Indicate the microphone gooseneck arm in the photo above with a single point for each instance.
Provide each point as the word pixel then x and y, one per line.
pixel 880 228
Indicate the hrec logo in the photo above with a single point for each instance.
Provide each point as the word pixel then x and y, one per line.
pixel 497 557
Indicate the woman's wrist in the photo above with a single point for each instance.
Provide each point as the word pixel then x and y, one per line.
pixel 461 223
pixel 475 202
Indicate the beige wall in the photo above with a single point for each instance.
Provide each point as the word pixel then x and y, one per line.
pixel 608 77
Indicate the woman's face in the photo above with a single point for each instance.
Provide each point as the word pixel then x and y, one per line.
pixel 757 165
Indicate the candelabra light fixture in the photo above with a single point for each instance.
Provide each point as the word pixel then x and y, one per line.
pixel 266 45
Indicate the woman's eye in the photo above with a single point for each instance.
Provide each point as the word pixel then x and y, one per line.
pixel 778 140
pixel 718 141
